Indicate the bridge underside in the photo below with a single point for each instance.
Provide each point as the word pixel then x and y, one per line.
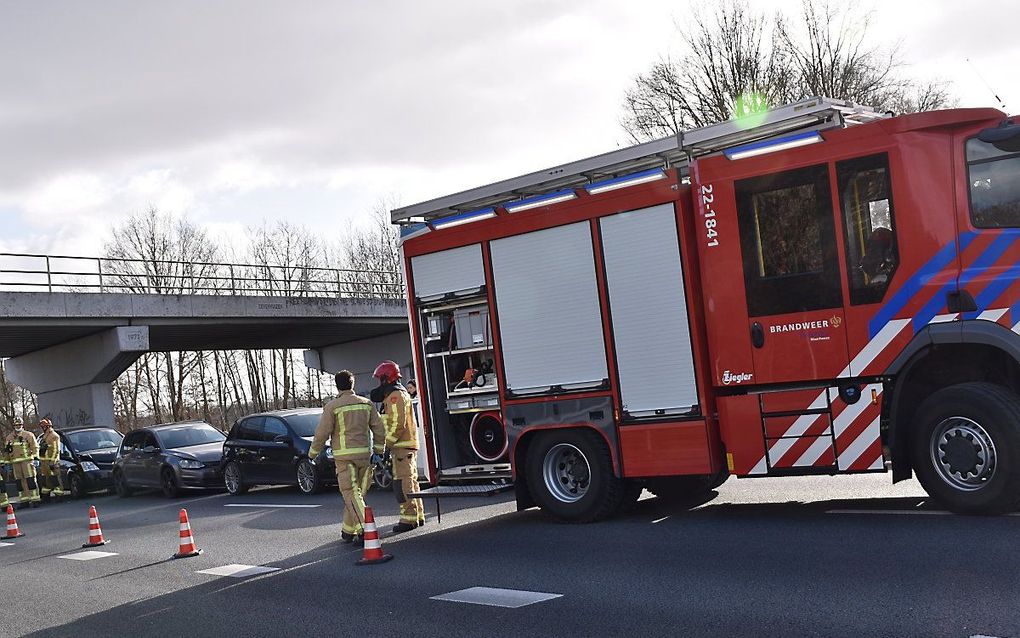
pixel 69 347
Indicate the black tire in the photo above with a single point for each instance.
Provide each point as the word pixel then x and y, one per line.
pixel 168 483
pixel 307 477
pixel 75 485
pixel 965 448
pixel 569 495
pixel 120 485
pixel 235 487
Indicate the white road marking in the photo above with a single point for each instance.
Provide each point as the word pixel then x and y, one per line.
pixel 494 597
pixel 89 555
pixel 5 544
pixel 902 512
pixel 238 571
pixel 269 505
pixel 659 520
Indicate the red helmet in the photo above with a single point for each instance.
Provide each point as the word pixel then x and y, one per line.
pixel 387 372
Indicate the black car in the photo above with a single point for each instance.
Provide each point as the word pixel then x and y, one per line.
pixel 271 448
pixel 169 457
pixel 87 454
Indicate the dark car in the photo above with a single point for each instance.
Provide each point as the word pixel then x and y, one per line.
pixel 169 457
pixel 271 448
pixel 87 454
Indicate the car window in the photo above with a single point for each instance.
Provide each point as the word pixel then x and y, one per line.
pixel 250 429
pixel 304 424
pixel 189 434
pixel 274 428
pixel 150 441
pixel 89 440
pixel 132 442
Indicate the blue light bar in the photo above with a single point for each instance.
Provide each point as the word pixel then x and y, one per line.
pixel 625 181
pixel 413 230
pixel 540 200
pixel 773 145
pixel 464 218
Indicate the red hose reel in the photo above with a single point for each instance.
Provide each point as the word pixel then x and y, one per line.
pixel 488 436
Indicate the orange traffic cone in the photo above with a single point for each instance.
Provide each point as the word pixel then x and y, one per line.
pixel 12 524
pixel 95 532
pixel 373 552
pixel 187 548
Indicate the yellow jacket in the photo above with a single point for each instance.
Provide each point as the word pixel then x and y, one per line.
pixel 52 441
pixel 23 446
pixel 352 425
pixel 398 414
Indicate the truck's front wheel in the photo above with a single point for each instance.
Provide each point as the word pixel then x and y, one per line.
pixel 965 448
pixel 570 474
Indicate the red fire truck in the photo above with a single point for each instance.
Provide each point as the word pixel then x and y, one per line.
pixel 815 289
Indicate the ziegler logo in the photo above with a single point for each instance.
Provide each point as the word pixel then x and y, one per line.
pixel 739 377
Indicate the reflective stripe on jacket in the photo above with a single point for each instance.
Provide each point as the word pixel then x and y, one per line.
pixel 352 425
pixel 23 447
pixel 398 414
pixel 52 441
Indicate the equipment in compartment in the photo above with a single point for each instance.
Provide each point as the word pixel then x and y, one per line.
pixel 488 436
pixel 472 326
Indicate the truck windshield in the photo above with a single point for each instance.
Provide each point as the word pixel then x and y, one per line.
pixel 994 185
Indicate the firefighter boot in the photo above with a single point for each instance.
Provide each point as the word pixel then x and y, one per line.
pixel 405 481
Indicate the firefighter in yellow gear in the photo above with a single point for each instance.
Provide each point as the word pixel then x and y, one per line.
pixel 402 441
pixel 5 468
pixel 354 430
pixel 52 482
pixel 22 454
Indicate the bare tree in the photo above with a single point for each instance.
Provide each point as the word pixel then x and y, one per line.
pixel 372 256
pixel 736 61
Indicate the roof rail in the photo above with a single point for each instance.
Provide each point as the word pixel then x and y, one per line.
pixel 815 113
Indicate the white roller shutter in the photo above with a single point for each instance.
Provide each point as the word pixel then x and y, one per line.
pixel 550 322
pixel 448 271
pixel 650 325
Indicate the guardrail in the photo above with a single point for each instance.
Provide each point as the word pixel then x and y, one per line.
pixel 29 272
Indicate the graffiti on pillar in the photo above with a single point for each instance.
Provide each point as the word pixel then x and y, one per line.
pixel 69 418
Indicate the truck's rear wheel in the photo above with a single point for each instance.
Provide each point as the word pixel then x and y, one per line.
pixel 965 448
pixel 570 475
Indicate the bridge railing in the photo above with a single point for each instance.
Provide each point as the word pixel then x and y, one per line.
pixel 29 272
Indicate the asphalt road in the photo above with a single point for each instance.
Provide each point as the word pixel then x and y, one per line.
pixel 843 556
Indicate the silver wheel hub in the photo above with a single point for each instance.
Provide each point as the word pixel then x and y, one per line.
pixel 963 453
pixel 566 473
pixel 306 476
pixel 232 478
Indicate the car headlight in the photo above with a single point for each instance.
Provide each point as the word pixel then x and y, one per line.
pixel 189 464
pixel 89 466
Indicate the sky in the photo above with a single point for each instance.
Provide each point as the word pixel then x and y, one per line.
pixel 315 112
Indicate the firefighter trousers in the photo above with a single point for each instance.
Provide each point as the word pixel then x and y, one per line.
pixel 52 481
pixel 354 478
pixel 24 473
pixel 405 481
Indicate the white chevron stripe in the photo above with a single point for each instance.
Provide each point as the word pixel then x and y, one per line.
pixel 854 451
pixel 992 315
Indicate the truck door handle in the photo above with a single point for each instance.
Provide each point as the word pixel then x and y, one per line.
pixel 757 335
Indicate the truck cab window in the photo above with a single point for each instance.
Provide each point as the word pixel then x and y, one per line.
pixel 787 238
pixel 866 199
pixel 994 185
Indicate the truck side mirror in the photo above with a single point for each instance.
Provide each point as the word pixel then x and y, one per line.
pixel 1005 137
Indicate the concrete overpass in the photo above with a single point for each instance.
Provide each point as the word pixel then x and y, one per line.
pixel 68 343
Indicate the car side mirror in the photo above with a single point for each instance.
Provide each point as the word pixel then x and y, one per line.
pixel 281 438
pixel 150 449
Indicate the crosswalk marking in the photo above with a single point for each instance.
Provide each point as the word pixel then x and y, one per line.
pixel 89 555
pixel 235 570
pixel 495 597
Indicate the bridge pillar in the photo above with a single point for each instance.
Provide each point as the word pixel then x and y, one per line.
pixel 361 357
pixel 73 379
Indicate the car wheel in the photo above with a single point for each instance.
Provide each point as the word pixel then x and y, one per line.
pixel 570 475
pixel 308 480
pixel 232 479
pixel 168 483
pixel 120 485
pixel 965 448
pixel 382 478
pixel 76 485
